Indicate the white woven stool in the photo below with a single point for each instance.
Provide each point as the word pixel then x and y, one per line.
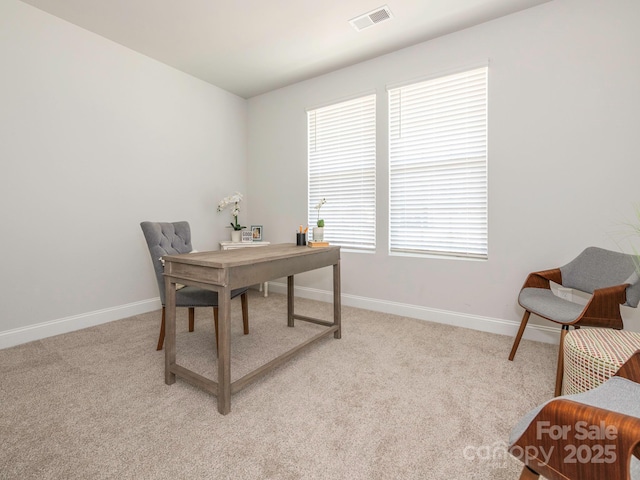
pixel 593 355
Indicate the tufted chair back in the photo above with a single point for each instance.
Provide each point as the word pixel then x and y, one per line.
pixel 164 238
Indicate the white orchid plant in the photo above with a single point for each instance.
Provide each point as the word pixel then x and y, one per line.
pixel 320 222
pixel 234 201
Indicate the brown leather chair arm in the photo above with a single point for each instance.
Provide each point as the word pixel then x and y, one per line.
pixel 603 310
pixel 541 279
pixel 570 440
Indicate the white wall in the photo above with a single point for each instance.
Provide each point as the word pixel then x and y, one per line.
pixel 94 139
pixel 564 97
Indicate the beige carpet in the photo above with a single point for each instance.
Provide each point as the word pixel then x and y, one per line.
pixel 395 398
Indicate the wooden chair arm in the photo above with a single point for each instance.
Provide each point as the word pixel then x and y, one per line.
pixel 603 310
pixel 572 441
pixel 631 368
pixel 541 279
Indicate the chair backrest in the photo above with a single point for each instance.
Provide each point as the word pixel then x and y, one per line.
pixel 598 268
pixel 164 238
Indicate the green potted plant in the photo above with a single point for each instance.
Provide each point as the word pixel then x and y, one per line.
pixel 635 234
pixel 318 230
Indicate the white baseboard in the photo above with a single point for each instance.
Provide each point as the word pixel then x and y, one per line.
pixel 539 333
pixel 42 330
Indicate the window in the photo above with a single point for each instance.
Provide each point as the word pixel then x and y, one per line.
pixel 342 169
pixel 438 166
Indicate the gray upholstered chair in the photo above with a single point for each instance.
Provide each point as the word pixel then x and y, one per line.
pixel 174 238
pixel 587 436
pixel 609 277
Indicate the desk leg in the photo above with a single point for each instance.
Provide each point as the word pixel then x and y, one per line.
pixel 224 351
pixel 337 307
pixel 290 301
pixel 170 329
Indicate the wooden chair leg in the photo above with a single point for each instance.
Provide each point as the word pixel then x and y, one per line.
pixel 516 342
pixel 528 474
pixel 560 371
pixel 161 339
pixel 215 323
pixel 191 318
pixel 245 312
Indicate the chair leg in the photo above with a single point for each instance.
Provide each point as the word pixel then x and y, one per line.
pixel 516 342
pixel 560 371
pixel 215 323
pixel 191 318
pixel 245 312
pixel 161 339
pixel 528 474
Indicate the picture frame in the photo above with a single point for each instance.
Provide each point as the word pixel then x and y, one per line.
pixel 247 236
pixel 256 233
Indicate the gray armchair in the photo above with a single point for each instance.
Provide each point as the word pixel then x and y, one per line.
pixel 174 238
pixel 587 436
pixel 609 277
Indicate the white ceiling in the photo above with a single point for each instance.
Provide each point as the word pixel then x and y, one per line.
pixel 249 47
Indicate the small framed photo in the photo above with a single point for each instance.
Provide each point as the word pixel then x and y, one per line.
pixel 247 236
pixel 256 233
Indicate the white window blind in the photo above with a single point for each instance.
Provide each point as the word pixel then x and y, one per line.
pixel 438 166
pixel 342 169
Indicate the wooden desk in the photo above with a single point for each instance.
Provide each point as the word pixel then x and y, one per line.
pixel 222 271
pixel 264 287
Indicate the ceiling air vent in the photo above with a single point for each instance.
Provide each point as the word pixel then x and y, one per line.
pixel 372 18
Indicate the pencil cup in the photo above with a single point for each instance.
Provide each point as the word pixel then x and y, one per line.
pixel 301 239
